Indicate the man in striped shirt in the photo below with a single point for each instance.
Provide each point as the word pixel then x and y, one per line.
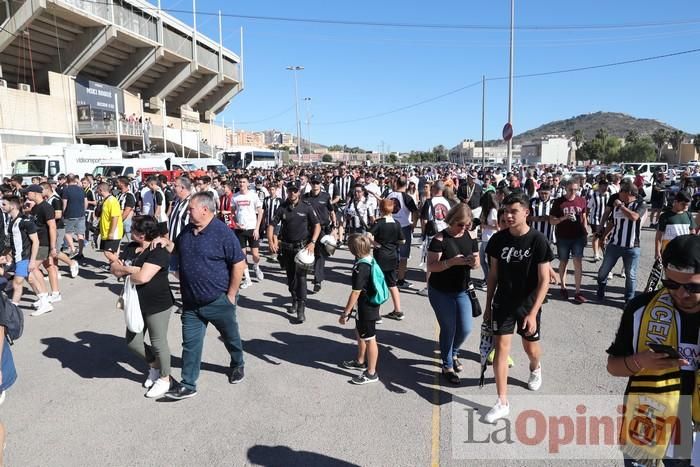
pixel 179 215
pixel 539 211
pixel 345 182
pixel 625 228
pixel 596 211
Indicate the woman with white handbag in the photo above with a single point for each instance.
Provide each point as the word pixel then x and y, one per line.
pixel 146 269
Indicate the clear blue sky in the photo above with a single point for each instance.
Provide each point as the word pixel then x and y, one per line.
pixel 356 71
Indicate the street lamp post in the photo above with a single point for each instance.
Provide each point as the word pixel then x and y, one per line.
pixel 296 68
pixel 510 82
pixel 307 101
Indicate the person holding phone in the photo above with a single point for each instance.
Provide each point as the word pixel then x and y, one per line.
pixel 655 348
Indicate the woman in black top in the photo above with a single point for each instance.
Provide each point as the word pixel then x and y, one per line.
pixel 452 255
pixel 388 236
pixel 148 270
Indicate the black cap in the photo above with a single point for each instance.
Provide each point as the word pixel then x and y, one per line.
pixel 293 185
pixel 682 197
pixel 683 254
pixel 315 178
pixel 33 189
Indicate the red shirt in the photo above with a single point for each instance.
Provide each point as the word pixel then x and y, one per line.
pixel 564 207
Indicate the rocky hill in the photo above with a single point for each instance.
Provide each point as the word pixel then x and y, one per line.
pixel 616 124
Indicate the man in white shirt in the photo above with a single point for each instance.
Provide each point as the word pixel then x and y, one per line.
pixel 403 207
pixel 247 208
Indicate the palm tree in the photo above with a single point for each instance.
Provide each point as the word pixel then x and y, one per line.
pixel 696 143
pixel 676 140
pixel 578 138
pixel 660 138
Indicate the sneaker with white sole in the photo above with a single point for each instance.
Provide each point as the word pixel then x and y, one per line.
pixel 74 269
pixel 159 388
pixel 365 378
pixel 246 284
pixel 498 412
pixel 54 297
pixel 153 375
pixel 535 380
pixel 423 292
pixel 258 272
pixel 44 307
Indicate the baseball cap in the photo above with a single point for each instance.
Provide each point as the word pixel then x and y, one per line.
pixel 293 185
pixel 315 178
pixel 33 189
pixel 682 197
pixel 682 254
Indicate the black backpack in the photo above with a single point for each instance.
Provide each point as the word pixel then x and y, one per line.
pixel 11 318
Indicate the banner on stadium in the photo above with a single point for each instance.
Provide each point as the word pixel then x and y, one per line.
pixel 95 101
pixel 190 119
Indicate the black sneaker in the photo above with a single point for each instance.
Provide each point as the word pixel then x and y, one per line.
pixel 236 376
pixel 317 288
pixel 365 378
pixel 178 392
pixel 353 365
pixel 397 315
pixel 404 284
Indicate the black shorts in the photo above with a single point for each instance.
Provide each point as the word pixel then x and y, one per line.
pixel 109 245
pixel 505 321
pixel 245 238
pixel 391 278
pixel 366 329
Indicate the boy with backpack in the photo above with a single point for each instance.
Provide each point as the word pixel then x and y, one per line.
pixel 369 291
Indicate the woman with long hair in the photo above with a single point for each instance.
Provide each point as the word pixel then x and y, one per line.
pixel 451 257
pixel 148 269
pixel 489 226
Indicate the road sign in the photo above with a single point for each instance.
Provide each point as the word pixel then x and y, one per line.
pixel 507 132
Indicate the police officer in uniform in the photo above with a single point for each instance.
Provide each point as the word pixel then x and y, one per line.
pixel 300 229
pixel 321 202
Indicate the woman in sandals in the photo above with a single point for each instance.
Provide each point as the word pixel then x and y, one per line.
pixel 452 254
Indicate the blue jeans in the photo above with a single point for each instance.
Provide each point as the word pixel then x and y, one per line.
pixel 222 314
pixel 630 259
pixel 454 314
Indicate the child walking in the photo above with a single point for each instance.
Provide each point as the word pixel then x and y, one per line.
pixel 367 314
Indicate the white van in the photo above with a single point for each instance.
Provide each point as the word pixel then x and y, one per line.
pixel 126 167
pixel 208 163
pixel 646 169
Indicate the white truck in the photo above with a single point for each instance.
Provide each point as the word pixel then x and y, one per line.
pixel 61 158
pixel 144 162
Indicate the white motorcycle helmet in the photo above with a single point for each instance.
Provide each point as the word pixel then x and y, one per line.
pixel 305 260
pixel 329 243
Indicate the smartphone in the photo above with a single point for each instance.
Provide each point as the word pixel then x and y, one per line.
pixel 667 349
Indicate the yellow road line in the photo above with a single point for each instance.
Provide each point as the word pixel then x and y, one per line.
pixel 435 443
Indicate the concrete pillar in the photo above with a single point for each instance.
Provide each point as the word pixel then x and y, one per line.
pixel 22 18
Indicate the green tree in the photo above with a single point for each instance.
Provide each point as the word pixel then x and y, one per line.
pixel 660 138
pixel 392 158
pixel 632 137
pixel 327 158
pixel 642 150
pixel 676 140
pixel 578 138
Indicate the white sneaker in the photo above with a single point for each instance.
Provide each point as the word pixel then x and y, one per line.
pixel 423 292
pixel 159 388
pixel 246 283
pixel 535 380
pixel 153 375
pixel 44 307
pixel 498 412
pixel 258 272
pixel 74 269
pixel 54 297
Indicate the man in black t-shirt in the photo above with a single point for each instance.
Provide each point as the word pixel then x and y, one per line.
pixel 518 282
pixel 43 216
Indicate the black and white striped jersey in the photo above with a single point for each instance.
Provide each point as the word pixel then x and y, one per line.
pixel 626 232
pixel 596 207
pixel 539 208
pixel 179 217
pixel 270 205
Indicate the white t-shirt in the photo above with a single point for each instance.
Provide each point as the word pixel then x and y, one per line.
pixel 487 230
pixel 246 208
pixel 401 212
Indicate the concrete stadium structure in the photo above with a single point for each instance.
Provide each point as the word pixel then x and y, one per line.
pixel 154 66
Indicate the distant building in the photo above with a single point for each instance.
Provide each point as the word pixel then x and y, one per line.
pixel 551 149
pixel 687 154
pixel 466 152
pixel 249 138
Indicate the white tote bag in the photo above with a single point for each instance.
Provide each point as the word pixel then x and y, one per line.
pixel 132 307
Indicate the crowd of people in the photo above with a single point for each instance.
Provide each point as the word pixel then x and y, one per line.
pixel 204 232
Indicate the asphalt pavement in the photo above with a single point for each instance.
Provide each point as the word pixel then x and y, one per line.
pixel 78 399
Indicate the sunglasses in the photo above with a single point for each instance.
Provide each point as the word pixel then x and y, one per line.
pixel 673 285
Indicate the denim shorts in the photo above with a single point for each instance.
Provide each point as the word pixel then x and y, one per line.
pixel 567 247
pixel 75 226
pixel 22 268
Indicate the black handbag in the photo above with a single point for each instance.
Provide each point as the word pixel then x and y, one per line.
pixel 476 306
